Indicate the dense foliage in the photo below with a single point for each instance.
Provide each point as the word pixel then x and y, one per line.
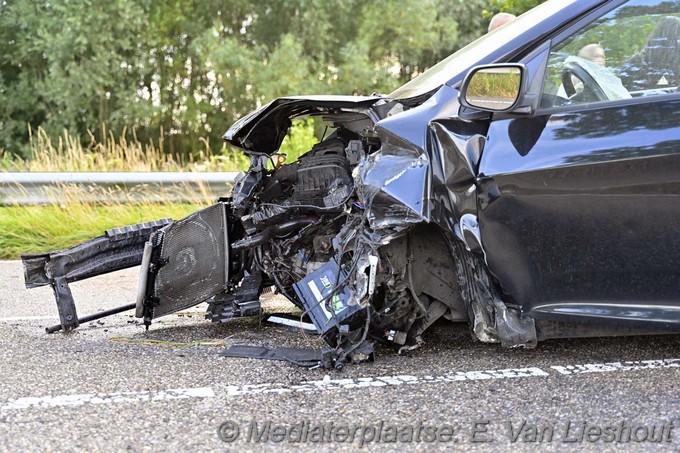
pixel 178 71
pixel 516 7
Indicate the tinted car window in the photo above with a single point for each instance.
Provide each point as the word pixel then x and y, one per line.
pixel 632 51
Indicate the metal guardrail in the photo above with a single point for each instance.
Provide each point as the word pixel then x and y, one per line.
pixel 28 188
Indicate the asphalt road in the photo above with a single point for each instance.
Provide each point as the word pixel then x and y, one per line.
pixel 111 386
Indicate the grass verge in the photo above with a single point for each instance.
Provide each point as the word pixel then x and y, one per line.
pixel 108 153
pixel 39 229
pixel 67 153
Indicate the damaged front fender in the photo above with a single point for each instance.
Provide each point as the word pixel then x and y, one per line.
pixel 394 185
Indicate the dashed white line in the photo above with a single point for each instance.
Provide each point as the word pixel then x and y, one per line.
pixel 328 384
pixel 617 366
pixel 382 381
pixel 107 398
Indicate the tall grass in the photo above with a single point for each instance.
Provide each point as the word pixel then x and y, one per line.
pixel 37 229
pixel 72 217
pixel 67 153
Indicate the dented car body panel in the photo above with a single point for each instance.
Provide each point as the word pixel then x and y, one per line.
pixel 534 223
pixel 582 232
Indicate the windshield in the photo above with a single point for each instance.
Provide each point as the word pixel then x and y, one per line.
pixel 469 55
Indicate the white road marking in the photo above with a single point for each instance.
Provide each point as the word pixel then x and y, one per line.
pixel 327 384
pixel 382 381
pixel 107 398
pixel 617 366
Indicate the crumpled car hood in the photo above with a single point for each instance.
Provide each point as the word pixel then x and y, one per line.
pixel 263 130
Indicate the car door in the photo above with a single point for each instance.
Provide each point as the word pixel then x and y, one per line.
pixel 580 207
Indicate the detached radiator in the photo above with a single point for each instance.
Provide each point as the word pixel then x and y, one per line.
pixel 188 263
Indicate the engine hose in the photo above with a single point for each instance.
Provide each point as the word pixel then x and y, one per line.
pixel 268 233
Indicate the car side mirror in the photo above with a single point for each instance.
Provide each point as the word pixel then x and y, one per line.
pixel 493 88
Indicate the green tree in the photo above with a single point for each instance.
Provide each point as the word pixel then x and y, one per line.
pixel 516 7
pixel 62 70
pixel 178 71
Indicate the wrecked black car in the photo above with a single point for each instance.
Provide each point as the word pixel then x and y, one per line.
pixel 520 186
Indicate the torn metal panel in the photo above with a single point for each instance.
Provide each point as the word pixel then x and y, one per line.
pixel 394 186
pixel 263 130
pixel 492 320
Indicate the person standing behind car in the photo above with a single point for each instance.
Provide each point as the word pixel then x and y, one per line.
pixel 499 20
